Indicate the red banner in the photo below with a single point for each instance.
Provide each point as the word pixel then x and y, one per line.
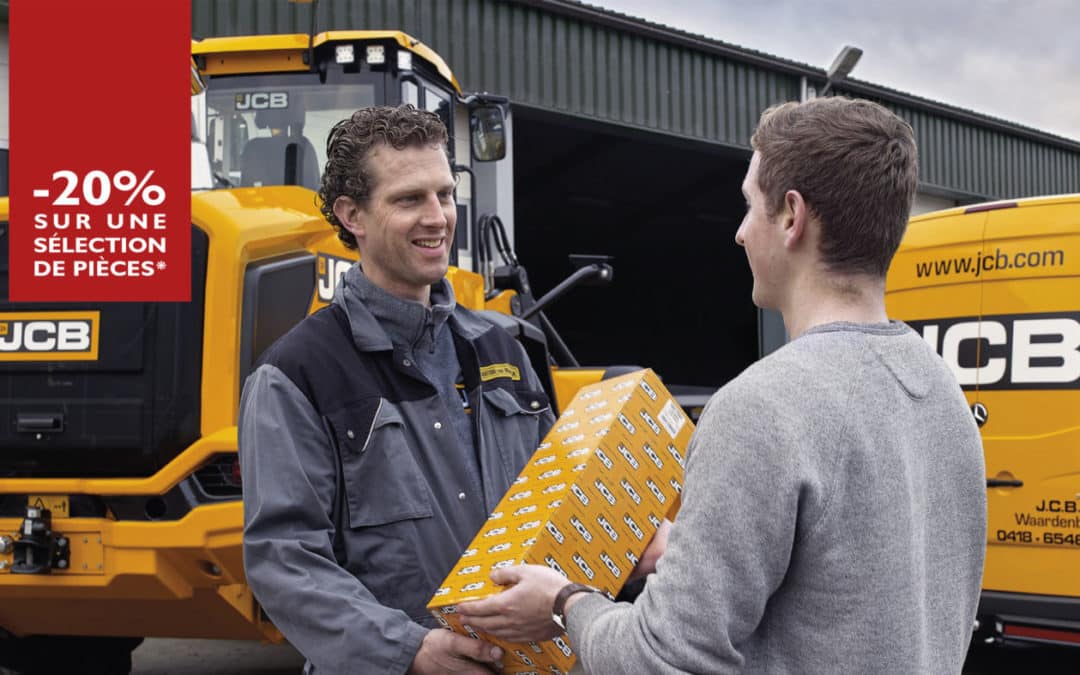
pixel 100 204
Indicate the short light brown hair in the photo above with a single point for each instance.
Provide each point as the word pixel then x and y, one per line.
pixel 855 164
pixel 350 144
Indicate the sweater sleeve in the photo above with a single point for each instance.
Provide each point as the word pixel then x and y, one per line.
pixel 289 476
pixel 728 551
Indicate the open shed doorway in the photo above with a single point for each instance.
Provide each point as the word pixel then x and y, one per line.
pixel 667 210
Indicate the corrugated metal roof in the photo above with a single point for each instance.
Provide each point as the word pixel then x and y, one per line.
pixel 585 61
pixel 853 86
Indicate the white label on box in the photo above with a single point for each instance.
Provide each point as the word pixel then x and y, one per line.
pixel 672 418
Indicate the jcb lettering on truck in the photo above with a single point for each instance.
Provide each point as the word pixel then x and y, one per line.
pixel 1058 505
pixel 49 336
pixel 1023 351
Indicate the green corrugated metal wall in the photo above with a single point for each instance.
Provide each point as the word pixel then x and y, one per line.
pixel 965 158
pixel 551 57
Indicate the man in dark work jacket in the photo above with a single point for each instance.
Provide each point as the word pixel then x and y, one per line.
pixel 377 435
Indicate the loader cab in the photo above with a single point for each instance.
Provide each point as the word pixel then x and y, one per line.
pixel 271 129
pixel 271 101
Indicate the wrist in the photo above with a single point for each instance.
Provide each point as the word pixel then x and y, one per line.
pixel 566 595
pixel 571 601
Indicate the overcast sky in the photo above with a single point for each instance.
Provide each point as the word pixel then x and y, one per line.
pixel 1017 60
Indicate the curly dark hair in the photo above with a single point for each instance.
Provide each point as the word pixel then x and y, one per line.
pixel 349 145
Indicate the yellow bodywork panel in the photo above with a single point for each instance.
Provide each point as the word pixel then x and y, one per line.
pixel 567 381
pixel 501 302
pixel 243 225
pixel 283 53
pixel 183 465
pixel 997 292
pixel 180 578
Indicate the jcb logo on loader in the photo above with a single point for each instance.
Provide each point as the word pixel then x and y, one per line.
pixel 263 100
pixel 329 270
pixel 1024 351
pixel 49 336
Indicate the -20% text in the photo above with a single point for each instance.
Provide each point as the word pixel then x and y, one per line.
pixel 96 188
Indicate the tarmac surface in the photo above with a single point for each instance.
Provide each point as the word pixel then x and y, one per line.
pixel 158 656
pixel 228 657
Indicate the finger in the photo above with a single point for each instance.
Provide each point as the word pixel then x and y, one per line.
pixel 502 628
pixel 506 576
pixel 485 607
pixel 484 624
pixel 477 650
pixel 511 634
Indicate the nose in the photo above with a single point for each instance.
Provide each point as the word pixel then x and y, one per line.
pixel 435 212
pixel 740 237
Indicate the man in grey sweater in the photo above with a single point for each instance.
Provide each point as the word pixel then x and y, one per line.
pixel 834 507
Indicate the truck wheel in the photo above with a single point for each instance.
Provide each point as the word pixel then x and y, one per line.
pixel 45 654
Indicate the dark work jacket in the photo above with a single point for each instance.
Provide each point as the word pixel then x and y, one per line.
pixel 355 508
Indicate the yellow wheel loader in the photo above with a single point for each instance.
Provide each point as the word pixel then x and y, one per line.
pixel 120 511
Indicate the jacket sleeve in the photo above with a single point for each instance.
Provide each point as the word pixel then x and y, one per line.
pixel 728 552
pixel 289 477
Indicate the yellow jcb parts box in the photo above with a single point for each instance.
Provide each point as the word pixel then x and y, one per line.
pixel 586 505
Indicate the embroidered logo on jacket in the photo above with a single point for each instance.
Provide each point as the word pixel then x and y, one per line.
pixel 497 370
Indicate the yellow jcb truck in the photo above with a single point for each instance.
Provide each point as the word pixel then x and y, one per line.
pixel 995 289
pixel 120 512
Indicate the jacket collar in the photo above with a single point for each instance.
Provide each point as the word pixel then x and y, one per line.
pixel 379 320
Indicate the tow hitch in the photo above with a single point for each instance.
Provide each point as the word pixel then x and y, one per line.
pixel 38 549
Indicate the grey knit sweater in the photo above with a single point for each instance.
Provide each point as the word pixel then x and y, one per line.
pixel 833 521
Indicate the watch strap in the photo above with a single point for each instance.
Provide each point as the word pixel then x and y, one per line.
pixel 558 608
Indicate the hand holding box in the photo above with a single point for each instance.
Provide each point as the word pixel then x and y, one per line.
pixel 586 505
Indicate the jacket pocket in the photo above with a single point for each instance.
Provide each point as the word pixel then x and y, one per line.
pixel 516 421
pixel 383 483
pixel 518 402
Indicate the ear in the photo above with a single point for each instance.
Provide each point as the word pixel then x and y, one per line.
pixel 351 215
pixel 795 220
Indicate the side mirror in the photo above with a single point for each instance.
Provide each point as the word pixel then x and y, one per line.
pixel 601 265
pixel 487 129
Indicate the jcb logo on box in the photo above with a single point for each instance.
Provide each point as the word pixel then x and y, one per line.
pixel 554 564
pixel 585 534
pixel 1024 351
pixel 584 567
pixel 49 336
pixel 650 421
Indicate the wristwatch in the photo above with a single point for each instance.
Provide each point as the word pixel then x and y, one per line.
pixel 558 609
